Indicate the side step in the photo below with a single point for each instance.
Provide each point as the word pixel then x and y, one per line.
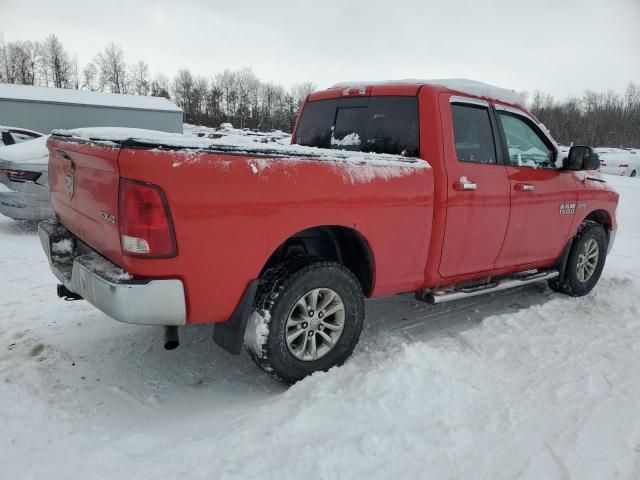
pixel 516 280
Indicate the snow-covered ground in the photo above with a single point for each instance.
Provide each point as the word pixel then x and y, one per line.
pixel 521 384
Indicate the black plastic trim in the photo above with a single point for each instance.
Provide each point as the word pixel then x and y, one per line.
pixel 230 334
pixel 561 263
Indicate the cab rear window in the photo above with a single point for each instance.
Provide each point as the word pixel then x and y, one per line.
pixel 363 124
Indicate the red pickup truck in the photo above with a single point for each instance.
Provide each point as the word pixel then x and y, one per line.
pixel 446 189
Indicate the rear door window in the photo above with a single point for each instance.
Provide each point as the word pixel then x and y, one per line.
pixel 371 124
pixel 473 134
pixel 316 124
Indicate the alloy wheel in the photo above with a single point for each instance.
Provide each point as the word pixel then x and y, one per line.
pixel 315 324
pixel 588 260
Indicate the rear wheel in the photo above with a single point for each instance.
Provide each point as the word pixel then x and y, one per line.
pixel 633 174
pixel 309 315
pixel 585 262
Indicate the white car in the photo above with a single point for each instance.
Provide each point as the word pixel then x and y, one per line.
pixel 13 135
pixel 24 181
pixel 618 161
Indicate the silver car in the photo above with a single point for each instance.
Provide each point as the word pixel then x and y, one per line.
pixel 24 182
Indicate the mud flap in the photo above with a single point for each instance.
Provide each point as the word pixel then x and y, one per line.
pixel 230 334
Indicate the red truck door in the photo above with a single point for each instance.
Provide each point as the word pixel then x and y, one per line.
pixel 543 198
pixel 477 187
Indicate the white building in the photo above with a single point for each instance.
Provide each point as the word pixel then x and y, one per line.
pixel 44 109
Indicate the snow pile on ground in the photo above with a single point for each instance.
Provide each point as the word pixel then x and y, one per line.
pixel 520 384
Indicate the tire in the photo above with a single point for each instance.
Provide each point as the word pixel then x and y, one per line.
pixel 633 174
pixel 581 276
pixel 285 299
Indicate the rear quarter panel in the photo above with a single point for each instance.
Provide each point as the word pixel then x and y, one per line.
pixel 231 212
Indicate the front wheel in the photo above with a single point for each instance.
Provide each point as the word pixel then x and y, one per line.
pixel 308 317
pixel 633 174
pixel 585 263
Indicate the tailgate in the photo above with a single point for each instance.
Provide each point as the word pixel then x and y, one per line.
pixel 84 181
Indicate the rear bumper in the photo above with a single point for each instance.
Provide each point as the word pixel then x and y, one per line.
pixel 106 286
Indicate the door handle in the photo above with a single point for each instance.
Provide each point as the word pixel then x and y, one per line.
pixel 464 184
pixel 524 187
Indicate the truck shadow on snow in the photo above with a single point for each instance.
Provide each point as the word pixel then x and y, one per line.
pixel 134 360
pixel 412 320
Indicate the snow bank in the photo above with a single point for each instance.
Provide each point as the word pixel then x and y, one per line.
pixel 469 87
pixel 526 384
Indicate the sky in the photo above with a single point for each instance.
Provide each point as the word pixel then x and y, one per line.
pixel 562 47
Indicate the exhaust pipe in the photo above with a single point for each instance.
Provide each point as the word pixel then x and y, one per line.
pixel 65 293
pixel 171 337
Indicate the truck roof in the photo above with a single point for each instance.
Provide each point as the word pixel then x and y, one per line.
pixel 412 86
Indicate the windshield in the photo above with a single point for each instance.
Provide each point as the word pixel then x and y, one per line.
pixel 363 124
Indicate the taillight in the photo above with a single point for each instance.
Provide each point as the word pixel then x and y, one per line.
pixel 145 222
pixel 20 175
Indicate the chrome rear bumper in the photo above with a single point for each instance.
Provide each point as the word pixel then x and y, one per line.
pixel 107 287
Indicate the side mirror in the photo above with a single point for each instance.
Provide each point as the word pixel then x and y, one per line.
pixel 581 158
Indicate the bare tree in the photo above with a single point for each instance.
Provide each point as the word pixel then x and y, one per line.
pixel 113 69
pixel 225 82
pixel 56 62
pixel 182 91
pixel 160 86
pixel 300 91
pixel 597 118
pixel 140 78
pixel 90 77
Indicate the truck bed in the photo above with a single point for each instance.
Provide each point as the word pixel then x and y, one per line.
pixel 233 202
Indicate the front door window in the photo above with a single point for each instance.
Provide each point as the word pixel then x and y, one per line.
pixel 526 147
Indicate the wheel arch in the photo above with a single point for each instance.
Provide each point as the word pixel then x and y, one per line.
pixel 600 217
pixel 341 244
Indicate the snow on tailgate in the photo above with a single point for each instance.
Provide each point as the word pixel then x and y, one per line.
pixel 357 166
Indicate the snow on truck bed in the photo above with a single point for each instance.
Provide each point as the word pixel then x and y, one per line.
pixel 355 167
pixel 525 384
pixel 230 144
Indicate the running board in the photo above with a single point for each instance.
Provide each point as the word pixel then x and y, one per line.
pixel 515 280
